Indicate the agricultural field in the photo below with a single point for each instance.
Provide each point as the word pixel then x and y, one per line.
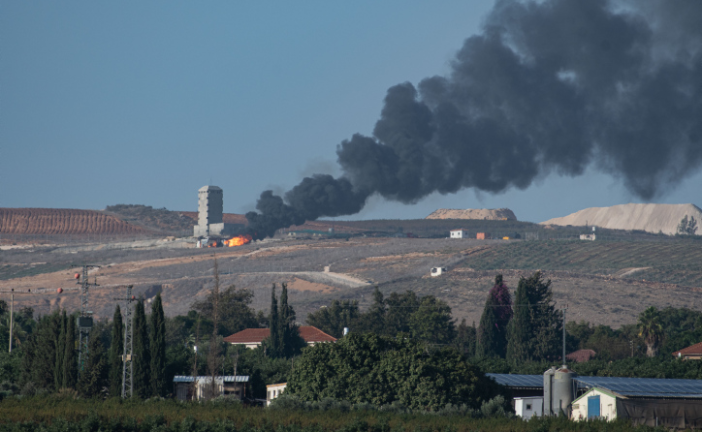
pixel 606 281
pixel 62 222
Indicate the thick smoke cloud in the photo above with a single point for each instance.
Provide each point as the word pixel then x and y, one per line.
pixel 556 85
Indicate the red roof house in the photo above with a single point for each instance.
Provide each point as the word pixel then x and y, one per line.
pixel 252 337
pixel 581 355
pixel 693 352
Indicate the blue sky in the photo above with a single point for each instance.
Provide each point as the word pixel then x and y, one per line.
pixel 144 102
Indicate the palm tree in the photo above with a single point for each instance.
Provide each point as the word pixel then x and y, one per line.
pixel 651 330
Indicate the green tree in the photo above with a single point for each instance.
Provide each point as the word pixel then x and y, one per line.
pixel 273 342
pixel 651 330
pixel 334 318
pixel 466 338
pixel 290 341
pixel 492 332
pixel 141 361
pixel 158 348
pixel 44 355
pixel 535 328
pixel 60 352
pixel 373 320
pixel 235 313
pixel 116 352
pixel 432 322
pixel 93 378
pixel 399 310
pixel 70 360
pixel 687 226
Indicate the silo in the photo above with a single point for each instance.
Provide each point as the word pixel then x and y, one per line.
pixel 563 391
pixel 548 391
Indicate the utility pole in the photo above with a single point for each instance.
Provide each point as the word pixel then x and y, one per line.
pixel 127 365
pixel 564 334
pixel 85 320
pixel 12 305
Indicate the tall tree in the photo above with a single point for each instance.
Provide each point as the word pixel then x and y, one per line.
pixel 432 322
pixel 214 356
pixel 290 341
pixel 492 332
pixel 333 319
pixel 70 361
pixel 534 331
pixel 93 377
pixel 158 348
pixel 60 352
pixel 141 361
pixel 235 313
pixel 116 352
pixel 466 338
pixel 273 348
pixel 651 330
pixel 44 363
pixel 399 310
pixel 373 321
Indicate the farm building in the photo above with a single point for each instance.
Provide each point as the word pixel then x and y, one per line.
pixel 693 352
pixel 229 385
pixel 437 271
pixel 528 407
pixel 273 391
pixel 482 236
pixel 253 337
pixel 459 233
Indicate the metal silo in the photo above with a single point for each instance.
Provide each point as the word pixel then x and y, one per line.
pixel 563 391
pixel 548 391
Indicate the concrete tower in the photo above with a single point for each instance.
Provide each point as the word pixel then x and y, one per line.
pixel 209 209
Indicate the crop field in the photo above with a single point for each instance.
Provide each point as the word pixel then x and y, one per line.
pixel 62 221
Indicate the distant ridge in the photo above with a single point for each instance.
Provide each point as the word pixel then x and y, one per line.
pixel 62 221
pixel 480 214
pixel 653 218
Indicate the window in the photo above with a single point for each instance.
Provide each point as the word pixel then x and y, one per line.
pixel 528 406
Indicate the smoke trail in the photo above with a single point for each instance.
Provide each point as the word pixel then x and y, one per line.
pixel 556 85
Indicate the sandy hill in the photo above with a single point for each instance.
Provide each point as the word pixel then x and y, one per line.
pixel 482 214
pixel 62 221
pixel 652 218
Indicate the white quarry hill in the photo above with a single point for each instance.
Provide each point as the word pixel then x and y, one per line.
pixel 652 218
pixel 482 214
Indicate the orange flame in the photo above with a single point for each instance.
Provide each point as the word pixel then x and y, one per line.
pixel 238 240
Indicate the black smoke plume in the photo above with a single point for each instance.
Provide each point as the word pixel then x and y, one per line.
pixel 555 85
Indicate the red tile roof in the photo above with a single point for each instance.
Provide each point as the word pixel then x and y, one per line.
pixel 581 355
pixel 695 349
pixel 257 335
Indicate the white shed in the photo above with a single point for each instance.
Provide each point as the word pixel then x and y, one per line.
pixel 527 407
pixel 437 271
pixel 596 403
pixel 459 233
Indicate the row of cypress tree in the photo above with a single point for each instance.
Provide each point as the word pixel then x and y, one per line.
pixel 284 340
pixel 50 360
pixel 527 330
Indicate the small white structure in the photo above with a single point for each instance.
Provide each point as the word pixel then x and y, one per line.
pixel 229 385
pixel 595 404
pixel 437 271
pixel 273 391
pixel 591 237
pixel 527 407
pixel 459 233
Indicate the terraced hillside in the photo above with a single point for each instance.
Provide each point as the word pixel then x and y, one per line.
pixel 62 221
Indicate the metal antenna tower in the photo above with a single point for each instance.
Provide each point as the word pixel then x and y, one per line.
pixel 127 365
pixel 85 320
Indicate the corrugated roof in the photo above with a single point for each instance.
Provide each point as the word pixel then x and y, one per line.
pixel 629 387
pixel 226 378
pixel 695 349
pixel 253 335
pixel 646 387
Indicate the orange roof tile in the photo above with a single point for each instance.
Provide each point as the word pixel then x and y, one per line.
pixel 257 335
pixel 695 349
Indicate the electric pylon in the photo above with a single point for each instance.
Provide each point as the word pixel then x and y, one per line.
pixel 85 320
pixel 127 365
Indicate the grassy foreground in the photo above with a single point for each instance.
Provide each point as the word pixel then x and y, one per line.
pixel 50 413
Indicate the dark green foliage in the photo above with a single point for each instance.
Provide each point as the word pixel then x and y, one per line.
pixel 466 338
pixel 432 322
pixel 378 370
pixel 93 377
pixel 399 309
pixel 70 359
pixel 290 341
pixel 234 311
pixel 261 369
pixel 687 226
pixel 333 319
pixel 141 361
pixel 158 348
pixel 115 353
pixel 651 330
pixel 60 350
pixel 535 329
pixel 273 342
pixel 492 333
pixel 373 320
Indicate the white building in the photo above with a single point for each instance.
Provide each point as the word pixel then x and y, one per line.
pixel 273 391
pixel 591 237
pixel 437 271
pixel 527 407
pixel 459 233
pixel 596 403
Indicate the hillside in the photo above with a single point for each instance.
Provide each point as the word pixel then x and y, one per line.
pixel 480 214
pixel 653 218
pixel 62 221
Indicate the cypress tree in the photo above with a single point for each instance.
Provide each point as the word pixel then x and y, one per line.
pixel 487 330
pixel 290 340
pixel 93 378
pixel 60 352
pixel 274 338
pixel 141 361
pixel 116 351
pixel 158 348
pixel 70 361
pixel 492 332
pixel 374 319
pixel 44 363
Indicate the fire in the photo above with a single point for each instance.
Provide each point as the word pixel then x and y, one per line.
pixel 238 240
